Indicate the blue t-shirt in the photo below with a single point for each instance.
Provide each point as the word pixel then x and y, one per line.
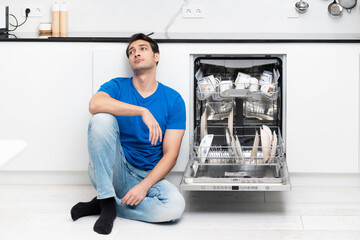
pixel 165 104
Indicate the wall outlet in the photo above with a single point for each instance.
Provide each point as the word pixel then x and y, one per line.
pixel 192 11
pixel 35 10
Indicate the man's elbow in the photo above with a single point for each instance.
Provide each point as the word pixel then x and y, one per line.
pixel 93 107
pixel 174 162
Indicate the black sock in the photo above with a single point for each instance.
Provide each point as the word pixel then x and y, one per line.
pixel 107 216
pixel 83 209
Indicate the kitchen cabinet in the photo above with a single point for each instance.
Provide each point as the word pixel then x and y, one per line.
pixel 109 63
pixel 173 71
pixel 323 108
pixel 44 94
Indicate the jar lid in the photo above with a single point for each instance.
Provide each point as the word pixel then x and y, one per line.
pixel 56 7
pixel 45 26
pixel 63 6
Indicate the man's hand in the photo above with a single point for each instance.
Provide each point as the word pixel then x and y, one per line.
pixel 155 132
pixel 135 195
pixel 102 102
pixel 171 148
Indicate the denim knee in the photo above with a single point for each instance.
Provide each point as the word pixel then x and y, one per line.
pixel 103 141
pixel 176 206
pixel 171 210
pixel 102 124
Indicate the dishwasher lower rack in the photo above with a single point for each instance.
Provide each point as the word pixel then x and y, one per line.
pixel 228 166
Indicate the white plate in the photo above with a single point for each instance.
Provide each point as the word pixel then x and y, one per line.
pixel 255 146
pixel 238 148
pixel 273 146
pixel 268 131
pixel 205 147
pixel 265 144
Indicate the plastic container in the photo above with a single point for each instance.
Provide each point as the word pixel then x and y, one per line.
pixel 63 18
pixel 45 28
pixel 55 26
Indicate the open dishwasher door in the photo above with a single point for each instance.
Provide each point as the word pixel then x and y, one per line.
pixel 237 142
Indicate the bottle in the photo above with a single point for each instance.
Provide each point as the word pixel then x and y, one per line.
pixel 63 19
pixel 55 26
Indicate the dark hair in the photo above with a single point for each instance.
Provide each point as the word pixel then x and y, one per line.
pixel 140 36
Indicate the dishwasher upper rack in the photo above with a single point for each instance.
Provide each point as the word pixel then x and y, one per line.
pixel 224 150
pixel 217 94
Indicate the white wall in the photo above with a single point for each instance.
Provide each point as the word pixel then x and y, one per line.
pixel 240 16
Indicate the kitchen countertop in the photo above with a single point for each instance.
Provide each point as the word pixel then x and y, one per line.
pixel 189 37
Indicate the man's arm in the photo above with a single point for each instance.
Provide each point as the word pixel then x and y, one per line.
pixel 101 102
pixel 171 148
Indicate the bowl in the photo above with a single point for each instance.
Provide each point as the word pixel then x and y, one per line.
pixel 301 6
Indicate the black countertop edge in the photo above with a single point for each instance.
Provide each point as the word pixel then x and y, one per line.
pixel 213 40
pixel 115 40
pixel 123 39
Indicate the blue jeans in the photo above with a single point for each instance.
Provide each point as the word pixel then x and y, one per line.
pixel 113 176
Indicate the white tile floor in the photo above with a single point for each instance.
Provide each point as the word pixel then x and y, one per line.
pixel 42 212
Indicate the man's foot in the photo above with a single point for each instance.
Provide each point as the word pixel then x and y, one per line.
pixel 83 209
pixel 105 222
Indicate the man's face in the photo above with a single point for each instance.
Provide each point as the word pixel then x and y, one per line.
pixel 141 56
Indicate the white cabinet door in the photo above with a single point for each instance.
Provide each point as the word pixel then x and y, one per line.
pixel 323 109
pixel 44 95
pixel 174 71
pixel 109 64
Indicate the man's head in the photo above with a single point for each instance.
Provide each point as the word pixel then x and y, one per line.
pixel 143 52
pixel 140 36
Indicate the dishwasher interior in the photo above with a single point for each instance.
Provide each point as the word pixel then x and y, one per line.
pixel 238 117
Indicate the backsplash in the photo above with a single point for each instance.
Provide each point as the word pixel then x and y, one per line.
pixel 259 16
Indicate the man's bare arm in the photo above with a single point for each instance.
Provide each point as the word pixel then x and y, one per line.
pixel 171 148
pixel 101 102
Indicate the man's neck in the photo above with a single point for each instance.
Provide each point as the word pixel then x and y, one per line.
pixel 145 84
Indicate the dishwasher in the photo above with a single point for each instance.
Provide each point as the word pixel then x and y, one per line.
pixel 237 124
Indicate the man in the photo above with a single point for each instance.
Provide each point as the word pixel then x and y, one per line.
pixel 134 139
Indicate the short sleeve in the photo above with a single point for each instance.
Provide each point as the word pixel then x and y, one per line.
pixel 177 116
pixel 111 87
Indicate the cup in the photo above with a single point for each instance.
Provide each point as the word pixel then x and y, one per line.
pixel 208 84
pixel 266 77
pixel 45 28
pixel 214 81
pixel 242 75
pixel 268 89
pixel 254 86
pixel 226 85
